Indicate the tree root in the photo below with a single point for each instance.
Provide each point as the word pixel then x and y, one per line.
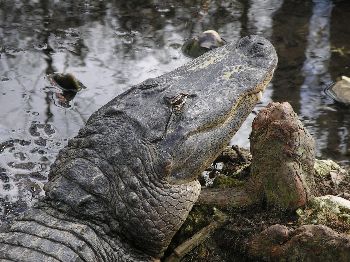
pixel 236 197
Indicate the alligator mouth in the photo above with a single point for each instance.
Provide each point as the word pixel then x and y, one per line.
pixel 261 88
pixel 251 97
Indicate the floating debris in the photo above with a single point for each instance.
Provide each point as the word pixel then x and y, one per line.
pixel 340 91
pixel 205 42
pixel 66 82
pixel 69 85
pixel 63 99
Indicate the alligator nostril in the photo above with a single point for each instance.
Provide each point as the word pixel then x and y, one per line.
pixel 259 43
pixel 244 42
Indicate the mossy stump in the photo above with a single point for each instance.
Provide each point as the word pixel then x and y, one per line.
pixel 282 170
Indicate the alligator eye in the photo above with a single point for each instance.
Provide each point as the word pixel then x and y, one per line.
pixel 178 101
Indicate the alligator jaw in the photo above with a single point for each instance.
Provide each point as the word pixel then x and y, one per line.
pixel 239 73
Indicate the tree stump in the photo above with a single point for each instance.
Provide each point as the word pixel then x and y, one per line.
pixel 282 170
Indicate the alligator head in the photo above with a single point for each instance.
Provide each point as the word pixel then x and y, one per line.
pixel 135 164
pixel 190 114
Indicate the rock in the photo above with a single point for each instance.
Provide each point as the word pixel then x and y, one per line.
pixel 264 244
pixel 340 91
pixel 306 243
pixel 282 170
pixel 205 42
pixel 329 210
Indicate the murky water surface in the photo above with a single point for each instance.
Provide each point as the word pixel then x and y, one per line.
pixel 111 45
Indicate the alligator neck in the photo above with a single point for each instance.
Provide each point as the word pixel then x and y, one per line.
pixel 50 223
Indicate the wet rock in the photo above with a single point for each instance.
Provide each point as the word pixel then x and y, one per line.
pixel 340 91
pixel 20 155
pixel 5 145
pixel 10 144
pixel 306 243
pixel 4 79
pixel 22 142
pixel 205 42
pixel 6 187
pixel 282 170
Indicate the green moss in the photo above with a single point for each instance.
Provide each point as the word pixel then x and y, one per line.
pixel 222 181
pixel 329 210
pixel 324 167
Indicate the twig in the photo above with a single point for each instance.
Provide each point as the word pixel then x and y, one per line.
pixel 198 238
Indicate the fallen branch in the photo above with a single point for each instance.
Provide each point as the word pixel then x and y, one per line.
pixel 235 197
pixel 198 238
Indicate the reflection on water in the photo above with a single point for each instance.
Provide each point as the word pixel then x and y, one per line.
pixel 315 68
pixel 261 16
pixel 111 45
pixel 259 22
pixel 318 52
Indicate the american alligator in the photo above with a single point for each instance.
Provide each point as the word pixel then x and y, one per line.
pixel 125 184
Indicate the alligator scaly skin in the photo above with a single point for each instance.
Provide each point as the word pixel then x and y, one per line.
pixel 124 185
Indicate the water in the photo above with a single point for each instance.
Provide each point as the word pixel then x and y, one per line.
pixel 110 46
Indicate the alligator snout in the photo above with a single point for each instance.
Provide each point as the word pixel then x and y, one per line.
pixel 255 46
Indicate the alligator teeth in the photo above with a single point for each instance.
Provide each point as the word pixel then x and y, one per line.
pixel 259 95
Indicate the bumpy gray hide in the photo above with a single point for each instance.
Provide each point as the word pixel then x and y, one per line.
pixel 124 185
